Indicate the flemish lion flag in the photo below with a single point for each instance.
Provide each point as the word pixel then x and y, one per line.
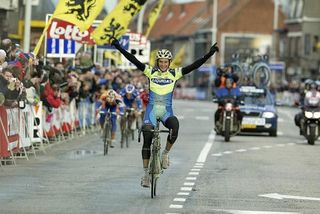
pixel 116 23
pixel 177 61
pixel 79 12
pixel 153 16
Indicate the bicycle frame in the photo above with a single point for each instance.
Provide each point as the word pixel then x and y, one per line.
pixel 155 167
pixel 106 131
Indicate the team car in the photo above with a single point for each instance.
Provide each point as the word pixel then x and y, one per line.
pixel 258 110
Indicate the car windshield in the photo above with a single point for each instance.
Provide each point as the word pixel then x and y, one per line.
pixel 257 99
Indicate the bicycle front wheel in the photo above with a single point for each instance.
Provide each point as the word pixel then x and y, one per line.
pixel 261 74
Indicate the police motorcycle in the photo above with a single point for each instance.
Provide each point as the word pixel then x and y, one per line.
pixel 310 123
pixel 228 125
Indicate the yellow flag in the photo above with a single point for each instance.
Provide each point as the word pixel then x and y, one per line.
pixel 79 12
pixel 116 22
pixel 114 56
pixel 177 61
pixel 153 55
pixel 153 16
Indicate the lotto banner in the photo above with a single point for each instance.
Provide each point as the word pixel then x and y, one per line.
pixel 116 23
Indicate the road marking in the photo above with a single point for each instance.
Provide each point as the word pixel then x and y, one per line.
pixel 193 173
pixel 191 178
pixel 195 170
pixel 291 144
pixel 202 118
pixel 176 206
pixel 186 188
pixel 280 145
pixel 280 197
pixel 267 147
pixel 241 150
pixel 228 152
pixel 198 166
pixel 188 183
pixel 280 119
pixel 217 154
pixel 280 133
pixel 252 212
pixel 180 117
pixel 179 199
pixel 254 148
pixel 183 193
pixel 203 154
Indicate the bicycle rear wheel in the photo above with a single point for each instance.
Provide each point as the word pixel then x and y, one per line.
pixel 106 138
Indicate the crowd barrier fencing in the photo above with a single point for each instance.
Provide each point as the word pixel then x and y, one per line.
pixel 34 128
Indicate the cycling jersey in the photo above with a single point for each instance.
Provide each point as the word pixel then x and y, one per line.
pixel 162 84
pixel 135 98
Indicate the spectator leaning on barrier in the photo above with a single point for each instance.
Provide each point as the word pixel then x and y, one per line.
pixel 3 62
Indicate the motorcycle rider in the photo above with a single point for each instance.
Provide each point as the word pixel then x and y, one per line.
pixel 311 99
pixel 226 92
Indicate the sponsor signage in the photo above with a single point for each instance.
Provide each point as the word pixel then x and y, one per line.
pixel 61 48
pixel 64 30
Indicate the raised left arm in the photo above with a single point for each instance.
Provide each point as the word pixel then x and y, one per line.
pixel 200 61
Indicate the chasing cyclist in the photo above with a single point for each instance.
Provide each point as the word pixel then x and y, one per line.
pixel 162 80
pixel 131 98
pixel 110 101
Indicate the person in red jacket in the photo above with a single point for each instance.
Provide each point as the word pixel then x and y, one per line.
pixel 51 95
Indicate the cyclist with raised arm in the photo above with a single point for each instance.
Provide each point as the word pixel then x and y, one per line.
pixel 110 101
pixel 162 80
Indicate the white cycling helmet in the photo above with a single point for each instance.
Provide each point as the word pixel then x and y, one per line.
pixel 130 88
pixel 164 54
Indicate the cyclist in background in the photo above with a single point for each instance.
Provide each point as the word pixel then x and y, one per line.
pixel 131 99
pixel 110 101
pixel 162 80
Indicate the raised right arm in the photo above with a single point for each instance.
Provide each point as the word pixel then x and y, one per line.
pixel 128 55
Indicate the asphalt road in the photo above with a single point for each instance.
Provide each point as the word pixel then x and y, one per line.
pixel 254 174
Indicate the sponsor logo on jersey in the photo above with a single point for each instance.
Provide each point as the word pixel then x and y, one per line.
pixel 161 81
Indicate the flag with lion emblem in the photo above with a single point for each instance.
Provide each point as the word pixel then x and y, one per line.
pixel 116 22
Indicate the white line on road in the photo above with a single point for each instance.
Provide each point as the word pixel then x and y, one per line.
pixel 279 133
pixel 227 152
pixel 198 166
pixel 280 119
pixel 202 118
pixel 188 183
pixel 217 154
pixel 191 178
pixel 267 147
pixel 193 173
pixel 180 117
pixel 183 193
pixel 195 170
pixel 186 188
pixel 179 199
pixel 280 145
pixel 204 153
pixel 241 150
pixel 254 148
pixel 252 212
pixel 280 197
pixel 176 206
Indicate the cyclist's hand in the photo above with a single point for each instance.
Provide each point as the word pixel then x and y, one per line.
pixel 214 48
pixel 114 41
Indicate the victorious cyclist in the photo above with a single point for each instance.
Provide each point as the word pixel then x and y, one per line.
pixel 162 80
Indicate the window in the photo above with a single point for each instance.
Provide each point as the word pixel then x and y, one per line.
pixel 307 44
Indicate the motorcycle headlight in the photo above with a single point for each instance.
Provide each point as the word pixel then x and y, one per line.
pixel 268 114
pixel 316 115
pixel 308 114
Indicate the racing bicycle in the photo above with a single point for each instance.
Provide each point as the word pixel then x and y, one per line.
pixel 155 167
pixel 126 126
pixel 106 131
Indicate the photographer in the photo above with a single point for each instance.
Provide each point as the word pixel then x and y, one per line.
pixel 224 73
